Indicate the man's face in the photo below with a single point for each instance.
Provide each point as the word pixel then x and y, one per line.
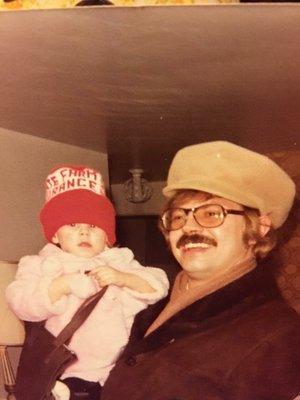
pixel 82 240
pixel 215 249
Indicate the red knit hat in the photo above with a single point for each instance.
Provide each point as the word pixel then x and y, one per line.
pixel 76 194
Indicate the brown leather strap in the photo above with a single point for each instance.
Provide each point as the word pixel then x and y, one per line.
pixel 79 317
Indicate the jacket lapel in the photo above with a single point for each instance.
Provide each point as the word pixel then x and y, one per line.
pixel 250 290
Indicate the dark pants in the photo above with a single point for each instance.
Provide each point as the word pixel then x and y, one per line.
pixel 83 390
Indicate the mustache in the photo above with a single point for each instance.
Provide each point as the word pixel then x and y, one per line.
pixel 195 238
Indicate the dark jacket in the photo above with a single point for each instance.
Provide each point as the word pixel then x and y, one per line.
pixel 240 343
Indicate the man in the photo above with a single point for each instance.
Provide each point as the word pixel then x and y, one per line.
pixel 224 332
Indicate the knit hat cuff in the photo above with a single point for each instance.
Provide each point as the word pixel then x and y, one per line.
pixel 78 206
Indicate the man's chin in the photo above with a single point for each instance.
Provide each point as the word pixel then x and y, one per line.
pixel 190 264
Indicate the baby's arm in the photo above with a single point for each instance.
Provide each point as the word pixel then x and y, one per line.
pixel 28 294
pixel 140 285
pixel 60 286
pixel 105 275
pixel 155 277
pixel 36 295
pixel 65 283
pixel 122 259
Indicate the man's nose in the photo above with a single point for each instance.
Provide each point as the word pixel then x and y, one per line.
pixel 191 225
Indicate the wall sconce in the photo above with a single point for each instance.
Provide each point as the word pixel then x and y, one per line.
pixel 137 189
pixel 11 328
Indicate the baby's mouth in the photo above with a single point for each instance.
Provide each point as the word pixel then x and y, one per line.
pixel 85 244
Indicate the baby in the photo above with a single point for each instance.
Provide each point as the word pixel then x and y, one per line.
pixel 79 223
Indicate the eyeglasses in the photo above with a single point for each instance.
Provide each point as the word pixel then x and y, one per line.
pixel 207 216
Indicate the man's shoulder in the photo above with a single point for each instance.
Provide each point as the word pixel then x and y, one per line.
pixel 270 316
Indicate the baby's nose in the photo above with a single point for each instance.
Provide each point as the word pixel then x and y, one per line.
pixel 84 229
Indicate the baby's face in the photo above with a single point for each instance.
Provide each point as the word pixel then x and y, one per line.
pixel 82 240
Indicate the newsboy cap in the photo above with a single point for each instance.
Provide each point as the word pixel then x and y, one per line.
pixel 234 173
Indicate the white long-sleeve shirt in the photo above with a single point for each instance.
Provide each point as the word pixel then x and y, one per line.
pixel 100 339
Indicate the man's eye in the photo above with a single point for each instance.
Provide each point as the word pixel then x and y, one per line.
pixel 92 226
pixel 212 214
pixel 176 217
pixel 72 225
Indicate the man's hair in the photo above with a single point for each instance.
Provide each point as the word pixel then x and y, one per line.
pixel 263 244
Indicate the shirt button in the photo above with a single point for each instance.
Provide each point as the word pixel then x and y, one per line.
pixel 131 361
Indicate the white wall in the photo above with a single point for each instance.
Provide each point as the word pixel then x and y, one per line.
pixel 24 163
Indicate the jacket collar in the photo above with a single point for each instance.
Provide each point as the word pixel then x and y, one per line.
pixel 252 289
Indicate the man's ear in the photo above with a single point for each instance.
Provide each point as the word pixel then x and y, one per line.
pixel 265 225
pixel 55 239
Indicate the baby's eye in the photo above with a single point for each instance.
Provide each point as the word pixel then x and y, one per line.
pixel 92 226
pixel 72 225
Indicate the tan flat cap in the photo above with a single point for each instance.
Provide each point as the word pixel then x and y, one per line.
pixel 235 173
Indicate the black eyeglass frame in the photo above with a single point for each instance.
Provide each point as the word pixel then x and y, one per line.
pixel 194 209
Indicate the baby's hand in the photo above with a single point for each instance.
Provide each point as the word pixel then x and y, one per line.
pixel 105 275
pixel 80 285
pixel 59 287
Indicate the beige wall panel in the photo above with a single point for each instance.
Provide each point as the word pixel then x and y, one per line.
pixel 25 162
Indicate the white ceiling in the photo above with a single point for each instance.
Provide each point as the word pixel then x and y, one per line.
pixel 140 83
